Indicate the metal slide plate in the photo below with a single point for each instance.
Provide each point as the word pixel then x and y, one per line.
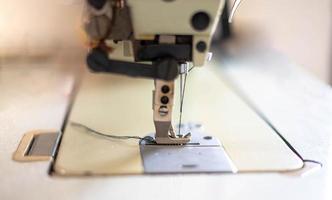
pixel 37 145
pixel 204 154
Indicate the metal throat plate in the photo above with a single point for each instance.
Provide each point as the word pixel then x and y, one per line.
pixel 203 154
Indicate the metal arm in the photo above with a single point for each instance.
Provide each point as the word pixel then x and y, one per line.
pixel 163 98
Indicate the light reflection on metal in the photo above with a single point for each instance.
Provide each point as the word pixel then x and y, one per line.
pixel 233 11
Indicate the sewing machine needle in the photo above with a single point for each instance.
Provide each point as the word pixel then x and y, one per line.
pixel 181 93
pixel 182 100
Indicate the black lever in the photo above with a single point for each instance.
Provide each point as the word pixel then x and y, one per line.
pixel 163 68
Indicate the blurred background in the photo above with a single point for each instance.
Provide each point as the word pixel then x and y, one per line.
pixel 300 29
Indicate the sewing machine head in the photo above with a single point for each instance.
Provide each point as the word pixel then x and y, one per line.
pixel 152 39
pixel 147 30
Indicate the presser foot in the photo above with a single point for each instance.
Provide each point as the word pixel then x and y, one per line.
pixel 172 140
pixel 166 135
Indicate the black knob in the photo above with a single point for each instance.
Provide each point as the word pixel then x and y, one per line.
pixel 166 69
pixel 97 4
pixel 201 46
pixel 200 21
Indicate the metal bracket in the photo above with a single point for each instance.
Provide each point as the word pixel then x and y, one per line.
pixel 37 145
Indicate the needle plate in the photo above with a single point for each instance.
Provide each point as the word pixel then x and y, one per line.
pixel 203 154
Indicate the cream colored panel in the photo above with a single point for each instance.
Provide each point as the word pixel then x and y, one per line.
pixel 123 106
pixel 151 17
pixel 200 58
pixel 112 104
pixel 249 141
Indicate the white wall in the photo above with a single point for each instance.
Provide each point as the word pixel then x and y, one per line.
pixel 299 28
pixel 30 26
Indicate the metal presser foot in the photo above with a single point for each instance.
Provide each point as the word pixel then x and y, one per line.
pixel 166 135
pixel 163 97
pixel 194 152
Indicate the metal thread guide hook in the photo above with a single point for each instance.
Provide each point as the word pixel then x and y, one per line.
pixel 235 6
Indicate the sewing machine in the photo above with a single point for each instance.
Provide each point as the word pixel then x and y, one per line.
pixel 106 127
pixel 127 41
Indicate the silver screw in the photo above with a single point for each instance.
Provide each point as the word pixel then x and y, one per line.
pixel 163 111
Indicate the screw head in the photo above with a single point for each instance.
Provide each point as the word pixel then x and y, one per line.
pixel 201 46
pixel 165 89
pixel 207 137
pixel 164 99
